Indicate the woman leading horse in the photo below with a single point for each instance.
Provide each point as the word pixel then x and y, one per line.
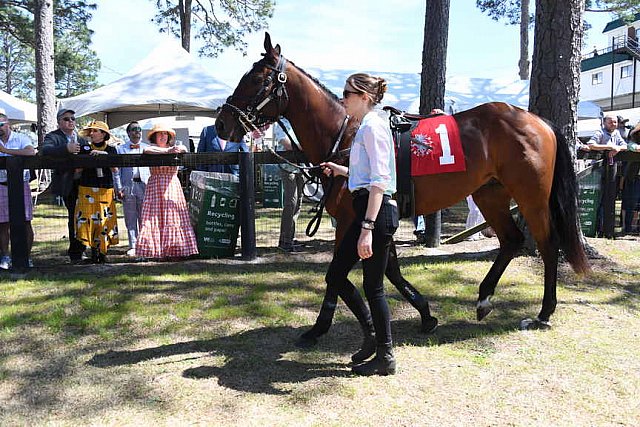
pixel 510 154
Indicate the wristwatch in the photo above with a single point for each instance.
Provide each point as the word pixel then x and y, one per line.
pixel 368 224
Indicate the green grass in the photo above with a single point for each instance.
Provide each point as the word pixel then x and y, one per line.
pixel 211 342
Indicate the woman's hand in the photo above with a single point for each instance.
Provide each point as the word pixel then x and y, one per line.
pixel 97 152
pixel 330 168
pixel 364 244
pixel 177 149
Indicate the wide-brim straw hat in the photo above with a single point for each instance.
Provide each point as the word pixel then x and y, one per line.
pixel 162 128
pixel 96 124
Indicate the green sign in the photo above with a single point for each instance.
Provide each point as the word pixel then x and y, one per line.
pixel 271 186
pixel 214 209
pixel 589 202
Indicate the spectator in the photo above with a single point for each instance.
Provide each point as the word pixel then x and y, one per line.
pixel 96 219
pixel 210 142
pixel 293 187
pixel 13 144
pixel 130 184
pixel 64 142
pixel 607 138
pixel 474 218
pixel 166 230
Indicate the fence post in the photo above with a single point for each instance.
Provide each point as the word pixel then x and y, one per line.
pixel 608 198
pixel 17 225
pixel 246 161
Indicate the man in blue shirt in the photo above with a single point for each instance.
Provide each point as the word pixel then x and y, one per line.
pixel 210 142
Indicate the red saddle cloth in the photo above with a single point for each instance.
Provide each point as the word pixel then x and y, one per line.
pixel 436 147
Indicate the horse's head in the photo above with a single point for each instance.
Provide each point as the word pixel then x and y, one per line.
pixel 260 97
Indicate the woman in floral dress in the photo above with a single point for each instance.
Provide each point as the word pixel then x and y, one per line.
pixel 166 228
pixel 95 215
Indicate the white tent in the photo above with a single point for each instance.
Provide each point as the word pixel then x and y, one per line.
pixel 17 109
pixel 168 82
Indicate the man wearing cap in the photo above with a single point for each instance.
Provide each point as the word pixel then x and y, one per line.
pixel 13 144
pixel 65 142
pixel 130 184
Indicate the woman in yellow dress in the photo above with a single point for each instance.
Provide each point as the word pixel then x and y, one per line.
pixel 95 215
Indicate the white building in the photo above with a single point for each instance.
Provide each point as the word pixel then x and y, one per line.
pixel 609 74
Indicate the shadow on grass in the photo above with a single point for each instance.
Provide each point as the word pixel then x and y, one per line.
pixel 264 360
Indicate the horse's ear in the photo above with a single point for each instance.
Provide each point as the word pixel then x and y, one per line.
pixel 268 47
pixel 267 43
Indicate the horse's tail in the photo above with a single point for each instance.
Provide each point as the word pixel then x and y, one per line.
pixel 563 205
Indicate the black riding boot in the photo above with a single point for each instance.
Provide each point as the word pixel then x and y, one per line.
pixel 383 364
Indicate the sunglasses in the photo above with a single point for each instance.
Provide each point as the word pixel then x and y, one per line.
pixel 346 93
pixel 69 119
pixel 135 130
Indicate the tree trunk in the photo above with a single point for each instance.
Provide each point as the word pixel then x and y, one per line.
pixel 185 23
pixel 523 64
pixel 555 77
pixel 45 80
pixel 432 83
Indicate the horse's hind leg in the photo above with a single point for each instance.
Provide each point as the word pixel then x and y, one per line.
pixel 538 219
pixel 411 294
pixel 493 201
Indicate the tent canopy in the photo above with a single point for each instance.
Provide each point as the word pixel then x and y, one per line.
pixel 17 109
pixel 168 82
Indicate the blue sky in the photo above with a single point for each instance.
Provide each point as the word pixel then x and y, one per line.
pixel 368 35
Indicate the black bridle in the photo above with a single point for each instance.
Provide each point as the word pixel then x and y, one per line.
pixel 252 118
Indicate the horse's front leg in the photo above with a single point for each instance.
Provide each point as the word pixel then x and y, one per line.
pixel 328 308
pixel 323 322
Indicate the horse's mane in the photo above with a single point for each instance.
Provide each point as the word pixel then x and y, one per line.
pixel 331 95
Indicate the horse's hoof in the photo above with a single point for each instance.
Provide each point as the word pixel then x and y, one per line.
pixel 534 325
pixel 306 342
pixel 429 325
pixel 483 310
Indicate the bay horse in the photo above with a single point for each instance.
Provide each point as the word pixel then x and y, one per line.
pixel 510 154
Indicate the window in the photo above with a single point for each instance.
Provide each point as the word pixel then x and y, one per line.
pixel 625 71
pixel 596 78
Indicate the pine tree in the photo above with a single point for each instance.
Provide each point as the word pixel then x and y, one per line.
pixel 218 23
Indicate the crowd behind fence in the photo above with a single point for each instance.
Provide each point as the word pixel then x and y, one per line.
pixel 259 224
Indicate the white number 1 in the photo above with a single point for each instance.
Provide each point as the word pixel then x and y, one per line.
pixel 447 158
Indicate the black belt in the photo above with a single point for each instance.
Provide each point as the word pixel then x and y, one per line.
pixel 360 192
pixel 137 180
pixel 3 183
